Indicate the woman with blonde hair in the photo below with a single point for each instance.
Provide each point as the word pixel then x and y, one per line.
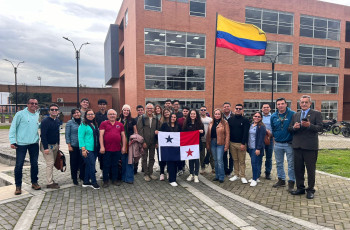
pixel 218 140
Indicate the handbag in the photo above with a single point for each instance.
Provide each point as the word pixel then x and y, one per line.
pixel 267 138
pixel 60 162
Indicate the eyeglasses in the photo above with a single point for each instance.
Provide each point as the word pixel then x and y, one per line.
pixel 90 114
pixel 239 108
pixel 33 103
pixel 203 110
pixel 257 116
pixel 53 109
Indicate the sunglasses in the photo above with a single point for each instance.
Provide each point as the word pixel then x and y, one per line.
pixel 239 108
pixel 53 109
pixel 203 110
pixel 33 103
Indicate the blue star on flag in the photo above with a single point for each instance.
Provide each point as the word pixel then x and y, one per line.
pixel 169 139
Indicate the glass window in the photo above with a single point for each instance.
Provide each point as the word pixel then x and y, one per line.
pixel 251 106
pixel 299 108
pixel 318 83
pixel 318 56
pixel 174 43
pixel 155 5
pixel 323 28
pixel 273 48
pixel 197 8
pixel 270 21
pixel 169 77
pixel 329 110
pixel 260 81
pixel 190 102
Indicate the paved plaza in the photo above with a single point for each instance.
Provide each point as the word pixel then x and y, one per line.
pixel 157 205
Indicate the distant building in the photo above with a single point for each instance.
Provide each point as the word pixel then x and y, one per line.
pixel 164 49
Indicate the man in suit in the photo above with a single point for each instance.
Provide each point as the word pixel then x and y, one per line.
pixel 305 126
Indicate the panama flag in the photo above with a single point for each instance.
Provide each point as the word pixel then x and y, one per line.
pixel 178 146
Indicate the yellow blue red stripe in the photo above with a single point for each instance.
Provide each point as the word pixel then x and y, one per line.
pixel 245 39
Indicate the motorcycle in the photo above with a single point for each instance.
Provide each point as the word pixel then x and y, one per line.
pixel 327 126
pixel 345 130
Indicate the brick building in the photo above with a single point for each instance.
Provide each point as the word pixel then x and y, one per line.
pixel 164 49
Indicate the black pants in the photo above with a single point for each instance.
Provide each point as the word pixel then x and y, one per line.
pixel 305 158
pixel 172 168
pixel 76 163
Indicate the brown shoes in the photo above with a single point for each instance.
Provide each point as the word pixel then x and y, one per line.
pixel 36 186
pixel 18 191
pixel 53 186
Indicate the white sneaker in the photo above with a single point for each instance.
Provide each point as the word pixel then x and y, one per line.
pixel 196 180
pixel 250 180
pixel 244 181
pixel 253 183
pixel 234 178
pixel 161 177
pixel 174 184
pixel 190 177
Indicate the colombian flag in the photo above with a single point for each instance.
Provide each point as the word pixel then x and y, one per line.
pixel 245 39
pixel 176 146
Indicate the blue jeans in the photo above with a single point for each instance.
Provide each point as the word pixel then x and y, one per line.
pixel 218 153
pixel 21 152
pixel 256 162
pixel 110 165
pixel 268 154
pixel 280 150
pixel 127 169
pixel 228 166
pixel 90 167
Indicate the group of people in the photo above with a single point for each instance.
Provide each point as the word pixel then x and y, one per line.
pixel 120 141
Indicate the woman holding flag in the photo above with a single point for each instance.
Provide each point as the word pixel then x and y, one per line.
pixel 218 140
pixel 171 126
pixel 192 123
pixel 163 120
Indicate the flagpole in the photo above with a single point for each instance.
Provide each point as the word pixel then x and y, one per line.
pixel 216 27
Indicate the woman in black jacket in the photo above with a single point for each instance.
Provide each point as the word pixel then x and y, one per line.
pixel 171 126
pixel 192 123
pixel 256 146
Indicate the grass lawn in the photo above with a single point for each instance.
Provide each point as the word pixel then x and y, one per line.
pixel 334 161
pixel 5 127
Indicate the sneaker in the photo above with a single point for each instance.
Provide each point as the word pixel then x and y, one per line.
pixel 105 184
pixel 75 182
pixel 53 186
pixel 250 180
pixel 174 184
pixel 147 178
pixel 253 183
pixel 18 191
pixel 153 177
pixel 190 177
pixel 117 183
pixel 86 185
pixel 96 186
pixel 244 181
pixel 36 186
pixel 179 173
pixel 202 171
pixel 234 178
pixel 196 180
pixel 161 177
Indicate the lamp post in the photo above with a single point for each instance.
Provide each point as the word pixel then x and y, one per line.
pixel 39 78
pixel 273 77
pixel 77 56
pixel 15 70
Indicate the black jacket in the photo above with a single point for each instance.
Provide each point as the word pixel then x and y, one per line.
pixel 50 132
pixel 239 129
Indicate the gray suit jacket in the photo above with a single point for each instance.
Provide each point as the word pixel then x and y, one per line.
pixel 306 138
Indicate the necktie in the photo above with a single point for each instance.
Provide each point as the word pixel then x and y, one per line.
pixel 303 114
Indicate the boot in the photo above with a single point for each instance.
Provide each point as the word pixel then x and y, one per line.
pixel 290 186
pixel 280 183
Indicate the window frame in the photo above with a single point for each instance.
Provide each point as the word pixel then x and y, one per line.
pixel 160 8
pixel 262 58
pixel 187 101
pixel 313 85
pixel 205 8
pixel 327 29
pixel 329 110
pixel 327 58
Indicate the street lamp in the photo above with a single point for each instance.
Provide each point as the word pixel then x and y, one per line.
pixel 39 78
pixel 15 70
pixel 77 53
pixel 273 77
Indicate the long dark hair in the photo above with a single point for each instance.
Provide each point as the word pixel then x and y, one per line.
pixel 176 125
pixel 72 112
pixel 121 116
pixel 197 122
pixel 86 121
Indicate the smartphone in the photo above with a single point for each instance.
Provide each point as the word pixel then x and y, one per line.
pixel 304 119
